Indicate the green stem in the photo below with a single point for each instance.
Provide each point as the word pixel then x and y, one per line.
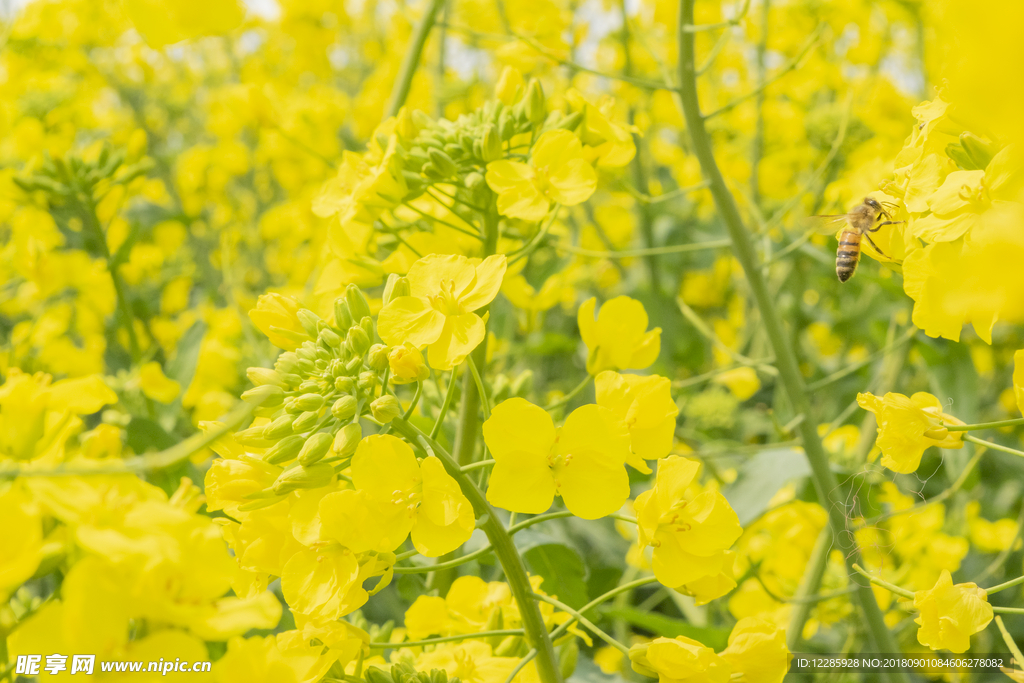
pixel 1008 639
pixel 571 395
pixel 809 584
pixel 411 61
pixel 445 405
pixel 1003 586
pixel 985 425
pixel 478 381
pixel 478 464
pixel 415 400
pixel 891 587
pixel 825 481
pixel 511 562
pixel 446 639
pixel 583 620
pixel 993 446
pixel 604 597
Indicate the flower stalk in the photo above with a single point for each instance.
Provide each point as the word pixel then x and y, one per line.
pixel 786 361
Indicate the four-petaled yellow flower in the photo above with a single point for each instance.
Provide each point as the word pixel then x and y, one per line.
pixel 396 495
pixel 618 338
pixel 908 426
pixel 438 313
pixel 645 404
pixel 583 462
pixel 951 614
pixel 757 653
pixel 690 537
pixel 557 172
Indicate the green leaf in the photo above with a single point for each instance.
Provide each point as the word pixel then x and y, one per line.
pixel 760 479
pixel 182 367
pixel 562 570
pixel 669 627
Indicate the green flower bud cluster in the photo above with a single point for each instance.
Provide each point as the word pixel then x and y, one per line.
pixel 74 177
pixel 315 395
pixel 505 387
pixel 459 151
pixel 404 672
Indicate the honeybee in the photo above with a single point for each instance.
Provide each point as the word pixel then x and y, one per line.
pixel 867 217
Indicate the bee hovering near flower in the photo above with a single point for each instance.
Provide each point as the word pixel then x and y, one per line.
pixel 865 218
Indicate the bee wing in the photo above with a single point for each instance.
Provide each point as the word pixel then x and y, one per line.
pixel 827 225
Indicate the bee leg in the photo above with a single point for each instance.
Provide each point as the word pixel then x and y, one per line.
pixel 874 245
pixel 879 226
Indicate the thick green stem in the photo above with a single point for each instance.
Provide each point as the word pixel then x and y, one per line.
pixel 511 562
pixel 411 61
pixel 785 358
pixel 809 584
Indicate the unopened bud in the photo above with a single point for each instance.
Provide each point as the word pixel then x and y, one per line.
pixel 312 477
pixel 284 450
pixel 347 438
pixel 345 385
pixel 357 303
pixel 446 168
pixel 377 358
pixel 536 109
pixel 309 402
pixel 490 148
pixel 305 421
pixel 342 316
pixel 366 381
pixel 386 408
pixel 261 376
pixel 252 437
pixel 306 352
pixel 367 324
pixel 396 287
pixel 407 364
pixel 265 395
pixel 572 121
pixel 375 675
pixel 510 86
pixel 979 149
pixel 309 321
pixel 358 341
pixel 316 448
pixel 345 407
pixel 279 428
pixel 286 363
pixel 330 337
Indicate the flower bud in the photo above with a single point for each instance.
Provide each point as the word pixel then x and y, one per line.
pixel 407 364
pixel 366 381
pixel 306 352
pixel 345 407
pixel 377 358
pixel 510 86
pixel 490 148
pixel 342 316
pixel 316 448
pixel 347 438
pixel 358 341
pixel 357 304
pixel 284 450
pixel 397 286
pixel 386 408
pixel 265 395
pixel 979 149
pixel 536 109
pixel 422 119
pixel 261 376
pixel 442 162
pixel 522 384
pixel 367 324
pixel 279 428
pixel 354 364
pixel 473 180
pixel 286 363
pixel 312 477
pixel 345 385
pixel 252 437
pixel 305 421
pixel 375 675
pixel 572 121
pixel 310 402
pixel 330 337
pixel 309 321
pixel 506 125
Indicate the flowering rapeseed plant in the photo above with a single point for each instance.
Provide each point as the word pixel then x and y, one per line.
pixel 540 366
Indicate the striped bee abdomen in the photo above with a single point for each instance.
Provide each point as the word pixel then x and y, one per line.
pixel 848 254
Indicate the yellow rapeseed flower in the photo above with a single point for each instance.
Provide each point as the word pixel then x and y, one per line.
pixel 396 495
pixel 407 364
pixel 439 312
pixel 908 426
pixel 557 172
pixel 950 614
pixel 583 462
pixel 275 316
pixel 690 537
pixel 156 385
pixel 645 404
pixel 618 339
